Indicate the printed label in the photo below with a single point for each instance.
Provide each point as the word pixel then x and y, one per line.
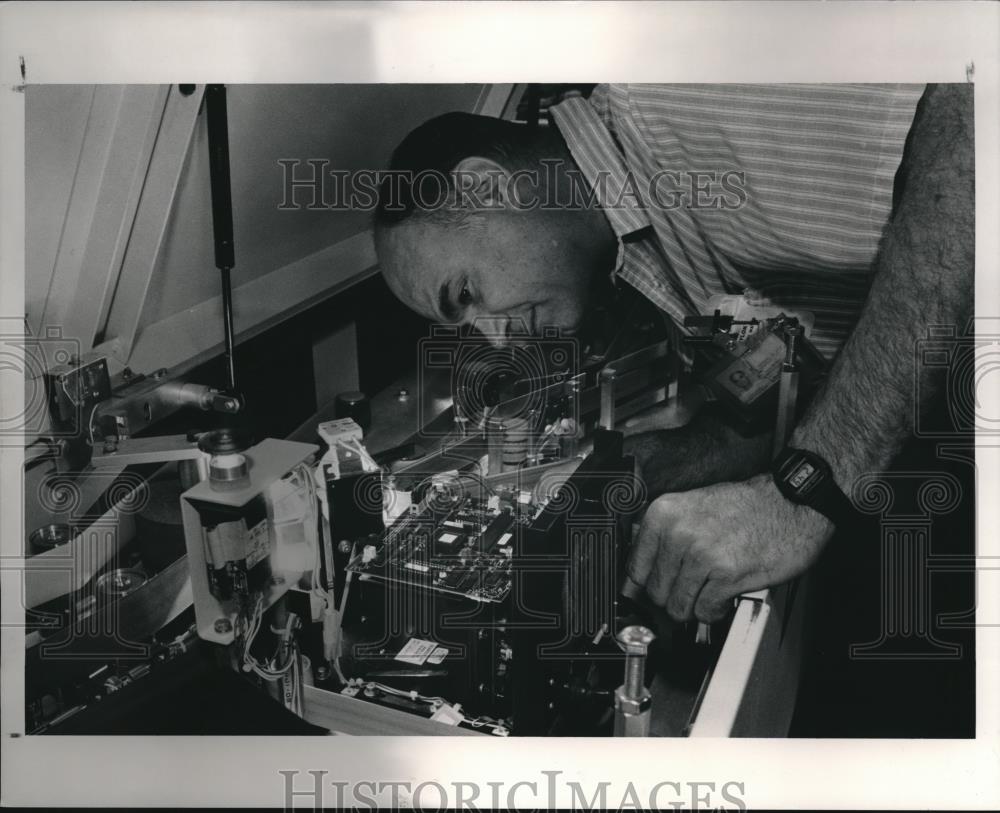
pixel 258 543
pixel 416 651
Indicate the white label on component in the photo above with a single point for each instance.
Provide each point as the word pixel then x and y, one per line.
pixel 438 655
pixel 447 538
pixel 416 651
pixel 503 540
pixel 417 566
pixel 450 523
pixel 258 543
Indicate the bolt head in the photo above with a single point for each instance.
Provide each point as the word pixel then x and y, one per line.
pixel 223 625
pixel 636 636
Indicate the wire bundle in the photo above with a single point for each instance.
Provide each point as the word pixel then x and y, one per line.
pixel 434 702
pixel 267 670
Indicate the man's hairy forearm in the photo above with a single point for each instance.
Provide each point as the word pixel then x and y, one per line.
pixel 924 276
pixel 706 450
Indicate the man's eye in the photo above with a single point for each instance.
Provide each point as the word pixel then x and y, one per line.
pixel 465 296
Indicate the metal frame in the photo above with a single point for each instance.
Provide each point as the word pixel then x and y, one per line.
pixel 169 155
pixel 182 341
pixel 114 161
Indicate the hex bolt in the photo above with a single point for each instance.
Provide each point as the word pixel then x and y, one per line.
pixel 632 699
pixel 223 625
pixel 636 640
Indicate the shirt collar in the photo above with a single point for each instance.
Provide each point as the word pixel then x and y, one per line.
pixel 602 164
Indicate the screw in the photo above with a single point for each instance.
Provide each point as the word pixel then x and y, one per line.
pixel 322 673
pixel 403 394
pixel 111 444
pixel 127 373
pixel 223 625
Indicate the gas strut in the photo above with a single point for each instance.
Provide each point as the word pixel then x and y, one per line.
pixel 222 212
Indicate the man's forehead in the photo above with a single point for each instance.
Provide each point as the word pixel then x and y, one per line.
pixel 416 262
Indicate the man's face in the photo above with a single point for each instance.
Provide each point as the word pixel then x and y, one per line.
pixel 496 271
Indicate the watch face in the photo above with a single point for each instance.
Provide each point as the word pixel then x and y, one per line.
pixel 801 475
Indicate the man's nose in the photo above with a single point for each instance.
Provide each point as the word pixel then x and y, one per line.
pixel 495 329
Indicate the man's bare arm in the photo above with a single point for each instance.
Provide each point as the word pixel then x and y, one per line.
pixel 924 276
pixel 707 450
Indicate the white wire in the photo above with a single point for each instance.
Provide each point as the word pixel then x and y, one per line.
pixel 90 420
pixel 363 452
pixel 353 445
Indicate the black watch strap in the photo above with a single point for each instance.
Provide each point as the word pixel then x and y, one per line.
pixel 807 479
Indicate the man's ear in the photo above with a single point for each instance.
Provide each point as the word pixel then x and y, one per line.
pixel 482 182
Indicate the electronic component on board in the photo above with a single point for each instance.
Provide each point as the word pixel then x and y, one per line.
pixel 460 547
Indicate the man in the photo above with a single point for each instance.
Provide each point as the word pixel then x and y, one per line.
pixel 853 202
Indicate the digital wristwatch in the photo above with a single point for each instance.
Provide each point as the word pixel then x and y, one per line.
pixel 806 479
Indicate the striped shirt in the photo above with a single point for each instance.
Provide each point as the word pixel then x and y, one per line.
pixel 714 189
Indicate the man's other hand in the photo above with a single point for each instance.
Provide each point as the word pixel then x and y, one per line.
pixel 697 550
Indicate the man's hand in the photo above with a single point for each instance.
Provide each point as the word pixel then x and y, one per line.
pixel 697 550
